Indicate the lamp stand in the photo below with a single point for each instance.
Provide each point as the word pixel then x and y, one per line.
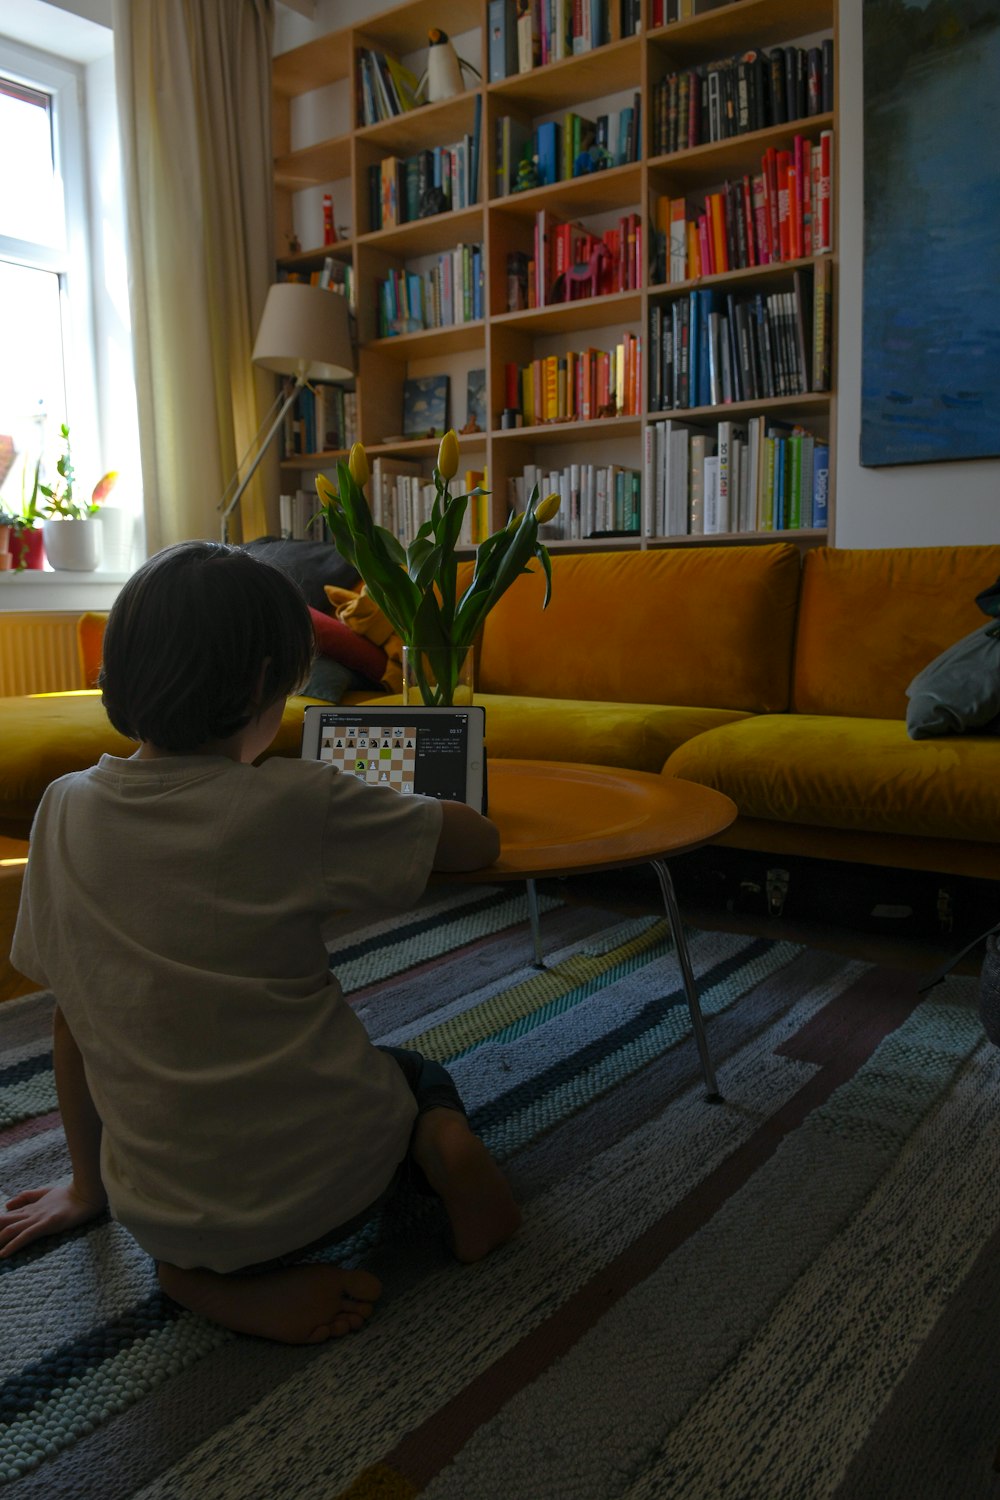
pixel 262 446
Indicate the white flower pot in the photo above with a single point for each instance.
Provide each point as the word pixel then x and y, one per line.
pixel 73 545
pixel 117 532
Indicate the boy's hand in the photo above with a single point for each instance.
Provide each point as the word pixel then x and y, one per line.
pixel 42 1211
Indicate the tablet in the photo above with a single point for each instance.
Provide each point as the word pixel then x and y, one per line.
pixel 436 752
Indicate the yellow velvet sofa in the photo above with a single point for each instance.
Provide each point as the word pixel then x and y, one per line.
pixel 777 679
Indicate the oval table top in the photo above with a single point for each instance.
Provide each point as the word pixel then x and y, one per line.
pixel 557 818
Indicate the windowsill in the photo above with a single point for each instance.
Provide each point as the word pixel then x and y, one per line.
pixel 51 589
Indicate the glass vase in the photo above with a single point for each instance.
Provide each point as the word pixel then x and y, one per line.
pixel 437 676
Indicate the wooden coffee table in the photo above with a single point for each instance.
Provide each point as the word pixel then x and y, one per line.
pixel 559 819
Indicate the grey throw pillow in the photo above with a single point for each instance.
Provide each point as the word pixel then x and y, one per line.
pixel 959 690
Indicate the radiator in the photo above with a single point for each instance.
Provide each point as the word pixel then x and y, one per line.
pixel 38 653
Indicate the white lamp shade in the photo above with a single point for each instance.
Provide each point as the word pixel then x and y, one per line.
pixel 304 330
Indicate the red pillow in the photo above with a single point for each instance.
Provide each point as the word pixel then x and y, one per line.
pixel 337 640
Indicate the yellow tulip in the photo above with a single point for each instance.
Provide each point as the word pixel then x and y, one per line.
pixel 515 521
pixel 448 455
pixel 546 509
pixel 326 492
pixel 358 465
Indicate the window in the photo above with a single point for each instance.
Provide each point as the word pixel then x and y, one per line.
pixel 63 287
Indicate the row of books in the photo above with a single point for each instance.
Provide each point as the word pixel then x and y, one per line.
pixel 449 292
pixel 435 180
pixel 300 519
pixel 781 213
pixel 595 499
pixel 709 350
pixel 740 477
pixel 323 419
pixel 578 386
pixel 335 276
pixel 614 259
pixel 526 34
pixel 735 95
pixel 385 87
pixel 401 497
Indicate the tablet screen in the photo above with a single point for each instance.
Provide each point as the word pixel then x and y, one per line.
pixel 415 751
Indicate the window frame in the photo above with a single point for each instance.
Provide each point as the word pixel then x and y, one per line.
pixel 62 80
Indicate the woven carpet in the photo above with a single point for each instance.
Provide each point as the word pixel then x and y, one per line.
pixel 790 1296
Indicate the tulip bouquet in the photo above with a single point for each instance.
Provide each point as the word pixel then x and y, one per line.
pixel 416 587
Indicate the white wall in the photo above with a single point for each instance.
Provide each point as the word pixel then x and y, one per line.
pixel 914 505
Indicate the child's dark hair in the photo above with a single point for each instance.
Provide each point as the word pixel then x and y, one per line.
pixel 186 640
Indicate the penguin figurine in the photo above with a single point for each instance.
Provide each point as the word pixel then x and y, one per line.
pixel 443 76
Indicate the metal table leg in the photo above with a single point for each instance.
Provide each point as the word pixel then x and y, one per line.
pixel 690 989
pixel 536 930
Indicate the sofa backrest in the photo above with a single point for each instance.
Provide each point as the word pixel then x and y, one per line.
pixel 704 626
pixel 871 618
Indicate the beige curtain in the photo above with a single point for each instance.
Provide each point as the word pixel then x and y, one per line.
pixel 193 80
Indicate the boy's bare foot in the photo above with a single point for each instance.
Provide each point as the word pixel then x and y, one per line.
pixel 477 1197
pixel 296 1305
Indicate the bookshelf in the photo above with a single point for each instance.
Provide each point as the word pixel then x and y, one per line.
pixel 320 146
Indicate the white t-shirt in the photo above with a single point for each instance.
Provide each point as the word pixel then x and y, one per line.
pixel 175 907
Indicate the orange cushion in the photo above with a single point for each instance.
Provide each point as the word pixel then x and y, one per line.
pixel 690 626
pixel 89 645
pixel 870 619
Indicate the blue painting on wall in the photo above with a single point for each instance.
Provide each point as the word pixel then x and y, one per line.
pixel 930 365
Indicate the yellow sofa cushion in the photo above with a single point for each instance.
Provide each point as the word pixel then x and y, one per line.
pixel 852 773
pixel 638 736
pixel 708 626
pixel 870 619
pixel 49 734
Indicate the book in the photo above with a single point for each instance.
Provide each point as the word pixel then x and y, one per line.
pixel 385 474
pixel 425 406
pixel 475 399
pixel 502 23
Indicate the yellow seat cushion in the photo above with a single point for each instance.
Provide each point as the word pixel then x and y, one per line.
pixel 863 774
pixel 43 737
pixel 637 736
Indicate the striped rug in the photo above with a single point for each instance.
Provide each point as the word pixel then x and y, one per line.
pixel 791 1296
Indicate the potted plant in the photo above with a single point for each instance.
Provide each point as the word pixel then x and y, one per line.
pixel 416 587
pixel 71 526
pixel 25 542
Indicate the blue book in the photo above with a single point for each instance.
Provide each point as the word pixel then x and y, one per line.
pixel 820 484
pixel 547 147
pixel 694 349
pixel 625 118
pixel 502 24
pixel 706 307
pixel 780 468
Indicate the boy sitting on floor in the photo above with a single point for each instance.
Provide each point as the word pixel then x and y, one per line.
pixel 216 1089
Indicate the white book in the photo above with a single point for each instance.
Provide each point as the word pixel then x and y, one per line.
pixel 285 517
pixel 696 486
pixel 587 524
pixel 660 480
pixel 678 465
pixel 649 481
pixel 712 526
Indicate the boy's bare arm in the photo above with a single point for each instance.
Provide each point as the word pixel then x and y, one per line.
pixel 48 1210
pixel 468 841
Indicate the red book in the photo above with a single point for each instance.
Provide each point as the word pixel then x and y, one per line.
pixel 512 398
pixel 782 164
pixel 705 246
pixel 770 165
pixel 825 189
pixel 762 237
pixel 747 205
pixel 793 211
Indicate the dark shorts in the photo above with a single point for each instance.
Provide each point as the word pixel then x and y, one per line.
pixel 432 1087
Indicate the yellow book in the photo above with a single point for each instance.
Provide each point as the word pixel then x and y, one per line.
pixel 619 378
pixel 551 408
pixel 528 395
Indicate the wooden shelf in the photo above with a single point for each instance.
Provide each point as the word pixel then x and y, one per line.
pixel 506 225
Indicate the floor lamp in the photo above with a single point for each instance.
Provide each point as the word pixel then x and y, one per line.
pixel 304 332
